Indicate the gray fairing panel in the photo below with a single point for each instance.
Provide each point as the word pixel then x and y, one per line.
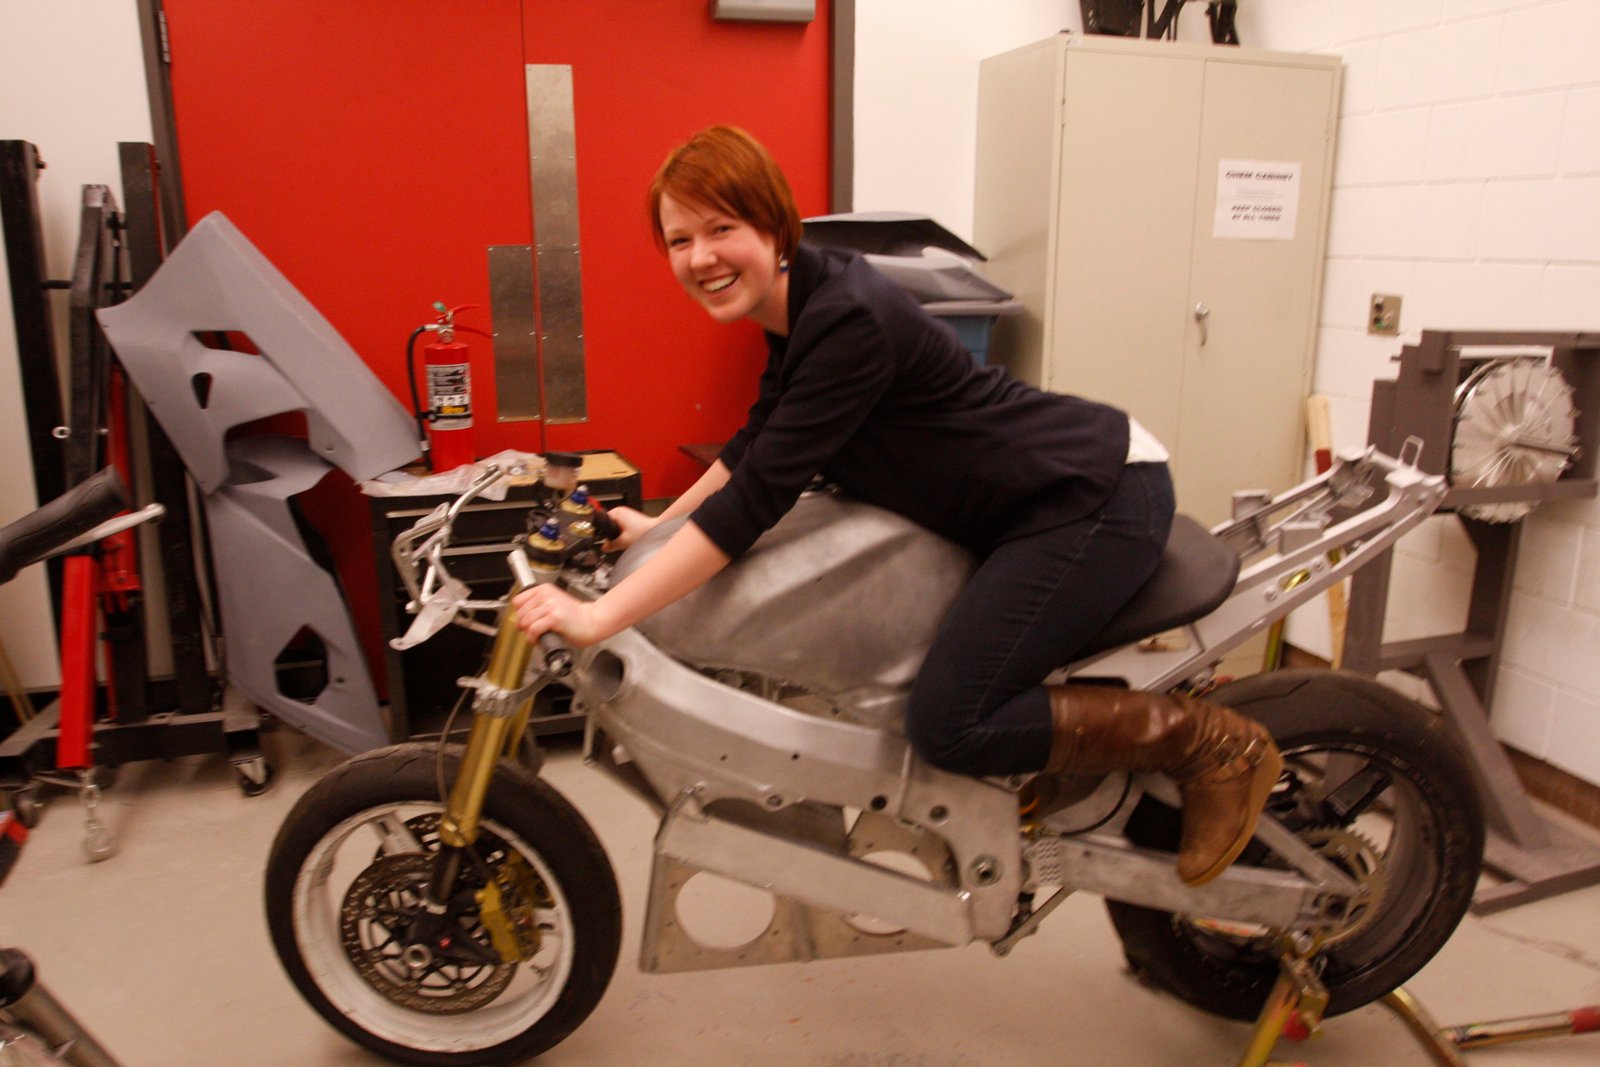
pixel 217 281
pixel 840 598
pixel 270 590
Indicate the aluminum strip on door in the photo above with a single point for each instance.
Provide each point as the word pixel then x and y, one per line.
pixel 552 153
pixel 516 346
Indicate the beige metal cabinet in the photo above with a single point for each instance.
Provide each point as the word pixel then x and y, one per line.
pixel 1161 211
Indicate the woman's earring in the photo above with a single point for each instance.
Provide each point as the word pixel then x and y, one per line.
pixel 783 264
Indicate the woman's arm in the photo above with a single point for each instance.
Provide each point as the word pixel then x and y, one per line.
pixel 635 524
pixel 687 561
pixel 715 477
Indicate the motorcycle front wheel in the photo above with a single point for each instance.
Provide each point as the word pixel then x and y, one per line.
pixel 344 898
pixel 1379 785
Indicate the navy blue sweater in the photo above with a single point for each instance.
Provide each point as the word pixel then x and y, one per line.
pixel 878 397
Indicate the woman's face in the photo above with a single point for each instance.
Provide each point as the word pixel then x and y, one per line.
pixel 726 265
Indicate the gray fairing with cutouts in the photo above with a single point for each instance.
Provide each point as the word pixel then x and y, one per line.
pixel 217 281
pixel 272 593
pixel 840 598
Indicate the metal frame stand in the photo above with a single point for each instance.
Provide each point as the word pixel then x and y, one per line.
pixel 1536 857
pixel 1294 1010
pixel 35 329
pixel 118 251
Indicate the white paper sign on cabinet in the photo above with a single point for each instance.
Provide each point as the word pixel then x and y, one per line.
pixel 1257 200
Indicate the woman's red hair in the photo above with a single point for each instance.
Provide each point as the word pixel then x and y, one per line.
pixel 725 168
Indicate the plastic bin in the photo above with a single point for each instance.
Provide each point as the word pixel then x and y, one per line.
pixel 973 321
pixel 945 284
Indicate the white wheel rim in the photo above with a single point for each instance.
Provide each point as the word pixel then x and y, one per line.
pixel 319 893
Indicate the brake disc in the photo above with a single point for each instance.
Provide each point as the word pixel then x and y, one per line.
pixel 508 890
pixel 378 911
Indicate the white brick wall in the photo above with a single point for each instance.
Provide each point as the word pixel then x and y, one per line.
pixel 1468 182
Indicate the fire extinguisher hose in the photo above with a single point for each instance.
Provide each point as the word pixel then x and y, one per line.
pixel 411 380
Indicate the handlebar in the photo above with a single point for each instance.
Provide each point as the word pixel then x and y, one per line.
pixel 439 599
pixel 433 530
pixel 557 656
pixel 605 526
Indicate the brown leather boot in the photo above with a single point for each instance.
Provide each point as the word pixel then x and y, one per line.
pixel 1225 764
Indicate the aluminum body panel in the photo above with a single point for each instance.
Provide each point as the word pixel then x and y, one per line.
pixel 840 598
pixel 516 341
pixel 691 736
pixel 553 164
pixel 813 876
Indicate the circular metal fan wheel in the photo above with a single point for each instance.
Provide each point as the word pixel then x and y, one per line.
pixel 1514 426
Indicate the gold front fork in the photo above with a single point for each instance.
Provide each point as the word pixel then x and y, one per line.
pixel 497 729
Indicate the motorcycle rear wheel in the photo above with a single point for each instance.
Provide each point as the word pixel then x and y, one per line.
pixel 1348 743
pixel 345 877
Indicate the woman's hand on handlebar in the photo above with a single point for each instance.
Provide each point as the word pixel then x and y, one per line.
pixel 548 609
pixel 634 525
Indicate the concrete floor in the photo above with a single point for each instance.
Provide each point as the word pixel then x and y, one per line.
pixel 163 951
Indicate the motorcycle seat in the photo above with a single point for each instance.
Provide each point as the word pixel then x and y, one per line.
pixel 1195 575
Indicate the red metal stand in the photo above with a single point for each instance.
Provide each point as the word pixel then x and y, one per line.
pixel 78 641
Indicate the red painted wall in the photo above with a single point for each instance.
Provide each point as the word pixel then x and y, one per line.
pixel 373 151
pixel 646 75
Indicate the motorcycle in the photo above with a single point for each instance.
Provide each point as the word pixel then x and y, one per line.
pixel 440 904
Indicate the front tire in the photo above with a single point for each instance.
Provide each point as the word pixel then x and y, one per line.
pixel 344 882
pixel 1369 771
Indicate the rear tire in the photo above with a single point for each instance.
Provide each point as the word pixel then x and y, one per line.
pixel 344 880
pixel 1348 743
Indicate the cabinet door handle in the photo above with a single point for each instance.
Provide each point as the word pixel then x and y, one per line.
pixel 1202 315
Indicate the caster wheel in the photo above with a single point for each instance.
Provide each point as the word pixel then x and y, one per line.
pixel 255 776
pixel 25 806
pixel 99 843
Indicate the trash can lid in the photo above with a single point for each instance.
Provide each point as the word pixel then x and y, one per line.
pixel 894 233
pixel 936 278
pixel 960 308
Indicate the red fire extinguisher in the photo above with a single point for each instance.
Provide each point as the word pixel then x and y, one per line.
pixel 447 420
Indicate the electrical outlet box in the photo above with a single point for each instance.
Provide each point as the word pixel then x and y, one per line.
pixel 1383 316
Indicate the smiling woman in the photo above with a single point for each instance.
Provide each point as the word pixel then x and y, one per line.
pixel 1066 504
pixel 726 265
pixel 722 211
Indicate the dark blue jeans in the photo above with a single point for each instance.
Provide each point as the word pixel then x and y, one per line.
pixel 978 706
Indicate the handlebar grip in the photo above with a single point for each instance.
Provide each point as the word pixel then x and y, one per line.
pixel 606 526
pixel 557 656
pixel 16 976
pixel 39 533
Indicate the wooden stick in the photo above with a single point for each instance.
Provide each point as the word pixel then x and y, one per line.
pixel 20 702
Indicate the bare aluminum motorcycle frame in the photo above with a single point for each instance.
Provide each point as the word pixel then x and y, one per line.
pixel 775 795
